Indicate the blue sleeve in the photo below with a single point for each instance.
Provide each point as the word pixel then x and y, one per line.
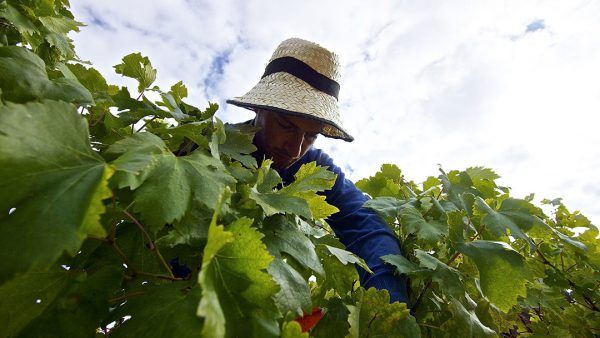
pixel 364 233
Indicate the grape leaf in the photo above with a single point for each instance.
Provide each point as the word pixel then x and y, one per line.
pixel 448 278
pixel 91 79
pixel 339 277
pixel 133 244
pixel 191 230
pixel 62 43
pixel 412 221
pixel 54 181
pixel 346 257
pixel 236 292
pixel 137 67
pixel 194 131
pixel 374 316
pixel 60 24
pixel 179 91
pixel 84 302
pixel 456 225
pixel 309 180
pixel 516 215
pixel 403 265
pixel 283 236
pixel 334 322
pixel 21 22
pixel 276 203
pixel 466 322
pixel 294 294
pixel 164 184
pixel 483 180
pixel 384 183
pixel 387 206
pixel 24 78
pixel 238 144
pixel 300 197
pixel 20 297
pixel 166 310
pixel 502 271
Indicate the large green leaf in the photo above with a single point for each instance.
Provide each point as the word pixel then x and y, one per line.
pixel 334 322
pixel 51 185
pixel 60 24
pixel 237 293
pixel 386 182
pixel 503 272
pixel 274 203
pixel 137 67
pixel 387 206
pixel 338 276
pixel 466 322
pixel 403 265
pixel 191 230
pixel 300 197
pixel 166 310
pixel 26 297
pixel 346 257
pixel 413 222
pixel 165 184
pixel 294 294
pixel 309 180
pixel 91 79
pixel 85 302
pixel 516 215
pixel 283 236
pixel 483 180
pixel 374 316
pixel 238 144
pixel 24 78
pixel 21 22
pixel 448 278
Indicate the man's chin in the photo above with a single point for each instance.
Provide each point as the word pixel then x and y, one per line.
pixel 282 164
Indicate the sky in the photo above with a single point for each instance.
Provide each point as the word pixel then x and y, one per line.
pixel 509 85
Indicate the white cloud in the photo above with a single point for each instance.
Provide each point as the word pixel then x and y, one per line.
pixel 511 85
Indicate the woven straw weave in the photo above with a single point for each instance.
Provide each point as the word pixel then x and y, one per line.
pixel 284 93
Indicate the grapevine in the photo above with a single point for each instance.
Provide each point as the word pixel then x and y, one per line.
pixel 138 214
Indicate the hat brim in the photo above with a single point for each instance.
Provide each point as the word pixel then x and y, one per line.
pixel 286 94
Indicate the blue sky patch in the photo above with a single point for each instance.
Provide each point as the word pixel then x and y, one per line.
pixel 535 26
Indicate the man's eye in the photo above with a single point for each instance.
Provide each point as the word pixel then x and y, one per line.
pixel 285 126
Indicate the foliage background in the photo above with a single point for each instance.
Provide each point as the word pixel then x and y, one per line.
pixel 101 189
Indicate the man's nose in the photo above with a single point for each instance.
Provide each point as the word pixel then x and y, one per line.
pixel 293 145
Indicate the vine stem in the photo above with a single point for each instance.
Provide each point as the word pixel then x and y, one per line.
pixel 121 254
pixel 113 228
pixel 429 282
pixel 153 247
pixel 126 296
pixel 145 124
pixel 137 99
pixel 431 326
pixel 156 275
pixel 589 302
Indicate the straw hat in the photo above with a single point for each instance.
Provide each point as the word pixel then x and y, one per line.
pixel 300 79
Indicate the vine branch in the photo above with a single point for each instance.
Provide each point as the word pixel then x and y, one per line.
pixel 151 244
pixel 589 302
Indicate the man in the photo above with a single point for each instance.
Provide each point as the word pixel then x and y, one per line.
pixel 295 100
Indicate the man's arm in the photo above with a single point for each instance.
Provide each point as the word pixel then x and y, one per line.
pixel 364 233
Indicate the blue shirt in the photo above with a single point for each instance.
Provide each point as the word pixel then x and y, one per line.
pixel 360 229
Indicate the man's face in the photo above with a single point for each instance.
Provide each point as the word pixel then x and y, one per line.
pixel 285 138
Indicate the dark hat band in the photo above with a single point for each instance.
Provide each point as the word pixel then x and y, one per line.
pixel 305 73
